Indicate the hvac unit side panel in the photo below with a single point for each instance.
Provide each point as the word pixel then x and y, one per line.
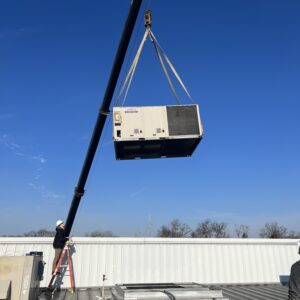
pixel 128 123
pixel 12 269
pixel 26 278
pixel 155 123
pixel 140 123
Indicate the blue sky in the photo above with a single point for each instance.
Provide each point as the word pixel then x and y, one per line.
pixel 239 60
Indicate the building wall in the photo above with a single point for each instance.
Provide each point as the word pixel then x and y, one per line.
pixel 138 260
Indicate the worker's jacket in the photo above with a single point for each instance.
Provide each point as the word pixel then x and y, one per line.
pixel 294 283
pixel 60 239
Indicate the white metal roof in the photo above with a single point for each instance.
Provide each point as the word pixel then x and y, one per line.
pixel 138 260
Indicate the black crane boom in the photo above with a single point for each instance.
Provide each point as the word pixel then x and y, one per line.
pixel 101 118
pixel 103 111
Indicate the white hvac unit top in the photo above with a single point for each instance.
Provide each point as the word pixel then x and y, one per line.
pixel 156 131
pixel 164 291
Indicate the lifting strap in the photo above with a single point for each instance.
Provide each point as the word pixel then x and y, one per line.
pixel 132 70
pixel 171 67
pixel 161 54
pixel 163 67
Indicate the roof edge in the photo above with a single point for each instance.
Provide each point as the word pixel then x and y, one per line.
pixel 122 240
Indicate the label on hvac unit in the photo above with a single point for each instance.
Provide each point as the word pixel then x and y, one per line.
pixel 131 111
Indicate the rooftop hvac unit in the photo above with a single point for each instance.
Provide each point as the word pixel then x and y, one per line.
pixel 160 291
pixel 23 273
pixel 156 131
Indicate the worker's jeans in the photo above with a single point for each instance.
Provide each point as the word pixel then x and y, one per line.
pixel 55 260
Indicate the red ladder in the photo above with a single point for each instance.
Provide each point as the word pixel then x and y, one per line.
pixel 66 251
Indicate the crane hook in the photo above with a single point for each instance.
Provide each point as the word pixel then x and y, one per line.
pixel 148 18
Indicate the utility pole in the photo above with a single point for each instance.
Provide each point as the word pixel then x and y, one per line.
pixel 149 226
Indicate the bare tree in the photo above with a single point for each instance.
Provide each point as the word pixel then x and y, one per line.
pixel 175 229
pixel 99 233
pixel 219 229
pixel 273 231
pixel 11 235
pixel 210 229
pixel 242 231
pixel 39 233
pixel 293 235
pixel 164 231
pixel 203 230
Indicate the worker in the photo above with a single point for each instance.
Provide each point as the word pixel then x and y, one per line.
pixel 294 282
pixel 59 242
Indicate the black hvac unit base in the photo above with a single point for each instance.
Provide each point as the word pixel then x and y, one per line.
pixel 142 149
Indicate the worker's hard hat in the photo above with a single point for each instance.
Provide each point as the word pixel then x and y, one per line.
pixel 59 222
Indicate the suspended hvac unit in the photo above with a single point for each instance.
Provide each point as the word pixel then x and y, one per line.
pixel 156 131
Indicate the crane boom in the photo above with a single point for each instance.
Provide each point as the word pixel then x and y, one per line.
pixel 102 115
pixel 103 111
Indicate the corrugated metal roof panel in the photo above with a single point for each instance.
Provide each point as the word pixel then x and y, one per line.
pixel 138 260
pixel 255 292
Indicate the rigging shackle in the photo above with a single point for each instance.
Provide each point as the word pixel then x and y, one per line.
pixel 148 18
